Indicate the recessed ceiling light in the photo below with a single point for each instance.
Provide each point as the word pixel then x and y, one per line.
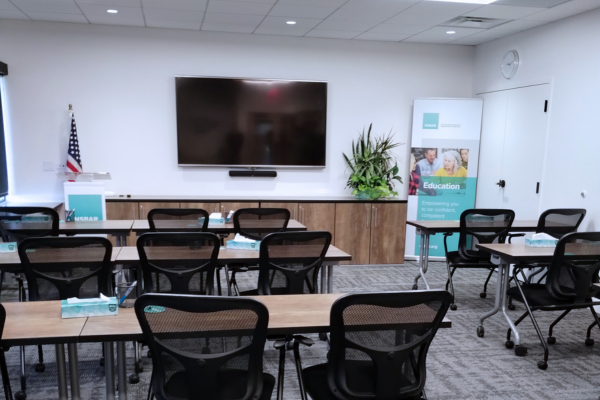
pixel 468 1
pixel 291 22
pixel 451 32
pixel 112 11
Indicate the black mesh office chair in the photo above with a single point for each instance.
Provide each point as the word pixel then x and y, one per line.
pixel 64 267
pixel 3 367
pixel 477 226
pixel 255 223
pixel 188 220
pixel 205 347
pixel 289 263
pixel 569 285
pixel 555 222
pixel 379 344
pixel 181 263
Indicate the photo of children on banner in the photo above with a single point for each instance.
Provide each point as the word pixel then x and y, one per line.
pixel 425 163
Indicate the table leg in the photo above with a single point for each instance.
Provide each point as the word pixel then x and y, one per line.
pixel 122 371
pixel 330 278
pixel 74 371
pixel 109 364
pixel 124 240
pixel 423 259
pixel 62 372
pixel 499 285
pixel 118 240
pixel 323 274
pixel 504 302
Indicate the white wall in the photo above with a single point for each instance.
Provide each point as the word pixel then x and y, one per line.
pixel 121 83
pixel 567 54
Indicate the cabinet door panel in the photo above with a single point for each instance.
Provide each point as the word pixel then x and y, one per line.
pixel 122 210
pixel 318 217
pixel 209 207
pixel 388 231
pixel 293 207
pixel 145 207
pixel 353 230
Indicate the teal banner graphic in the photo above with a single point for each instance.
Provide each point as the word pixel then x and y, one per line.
pixel 88 207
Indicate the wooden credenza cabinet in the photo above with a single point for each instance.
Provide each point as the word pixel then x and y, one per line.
pixel 373 232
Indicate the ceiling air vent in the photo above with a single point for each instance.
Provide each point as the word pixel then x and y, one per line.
pixel 475 22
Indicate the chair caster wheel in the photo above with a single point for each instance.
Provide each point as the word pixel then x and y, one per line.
pixel 20 395
pixel 511 307
pixel 133 379
pixel 509 344
pixel 453 307
pixel 551 340
pixel 415 287
pixel 483 295
pixel 543 365
pixel 102 362
pixel 40 367
pixel 589 342
pixel 480 331
pixel 520 351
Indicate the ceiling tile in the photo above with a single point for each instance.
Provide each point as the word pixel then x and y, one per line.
pixel 125 21
pixel 532 3
pixel 495 33
pixel 221 18
pixel 172 24
pixel 324 33
pixel 7 5
pixel 565 10
pixel 439 35
pixel 387 37
pixel 112 3
pixel 191 5
pixel 237 28
pixel 389 6
pixel 55 17
pixel 520 25
pixel 301 23
pixel 284 10
pixel 353 26
pixel 504 12
pixel 292 30
pixel 61 7
pixel 471 41
pixel 400 29
pixel 418 19
pixel 351 14
pixel 313 3
pixel 238 7
pixel 249 1
pixel 442 8
pixel 10 14
pixel 173 15
pixel 100 10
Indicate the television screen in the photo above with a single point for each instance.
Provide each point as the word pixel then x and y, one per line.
pixel 250 122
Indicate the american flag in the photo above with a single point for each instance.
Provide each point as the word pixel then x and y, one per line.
pixel 73 156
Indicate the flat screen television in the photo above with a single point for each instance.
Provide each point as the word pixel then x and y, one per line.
pixel 250 122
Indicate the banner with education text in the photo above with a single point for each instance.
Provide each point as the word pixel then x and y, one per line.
pixel 443 165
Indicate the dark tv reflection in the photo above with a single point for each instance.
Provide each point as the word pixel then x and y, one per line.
pixel 251 122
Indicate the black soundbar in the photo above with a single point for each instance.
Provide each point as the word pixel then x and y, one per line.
pixel 251 173
pixel 3 69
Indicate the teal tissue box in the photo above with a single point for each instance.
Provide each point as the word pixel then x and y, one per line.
pixel 541 243
pixel 8 247
pixel 216 221
pixel 36 218
pixel 238 245
pixel 89 309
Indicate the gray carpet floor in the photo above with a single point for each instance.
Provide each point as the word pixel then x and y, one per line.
pixel 459 366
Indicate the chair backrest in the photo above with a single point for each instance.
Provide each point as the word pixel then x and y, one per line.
pixel 18 223
pixel 256 223
pixel 574 268
pixel 2 319
pixel 178 220
pixel 289 262
pixel 379 343
pixel 482 226
pixel 63 267
pixel 197 342
pixel 557 222
pixel 180 263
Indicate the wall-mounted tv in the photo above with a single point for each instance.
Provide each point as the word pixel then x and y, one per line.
pixel 250 122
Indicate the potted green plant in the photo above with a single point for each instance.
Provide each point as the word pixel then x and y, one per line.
pixel 374 167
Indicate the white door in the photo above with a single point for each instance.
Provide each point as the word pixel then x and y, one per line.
pixel 512 149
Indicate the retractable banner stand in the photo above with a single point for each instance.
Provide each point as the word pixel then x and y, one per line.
pixel 443 165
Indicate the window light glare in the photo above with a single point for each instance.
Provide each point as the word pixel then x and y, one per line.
pixel 291 22
pixel 112 11
pixel 467 1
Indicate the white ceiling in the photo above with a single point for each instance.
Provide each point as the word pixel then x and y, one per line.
pixel 416 21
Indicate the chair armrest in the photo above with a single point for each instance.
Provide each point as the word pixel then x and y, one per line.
pixel 512 235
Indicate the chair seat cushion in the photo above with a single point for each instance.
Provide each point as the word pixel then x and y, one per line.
pixel 232 385
pixel 360 373
pixel 456 260
pixel 537 295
